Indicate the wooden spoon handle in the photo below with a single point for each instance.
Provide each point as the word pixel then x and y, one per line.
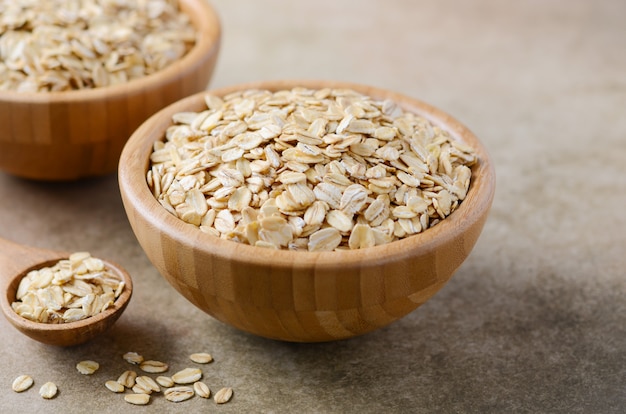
pixel 16 258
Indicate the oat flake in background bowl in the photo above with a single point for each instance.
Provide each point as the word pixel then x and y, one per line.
pixel 304 294
pixel 77 78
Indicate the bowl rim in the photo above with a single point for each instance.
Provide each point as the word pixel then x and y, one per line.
pixel 135 192
pixel 208 35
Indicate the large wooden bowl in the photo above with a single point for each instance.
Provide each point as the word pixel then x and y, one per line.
pixel 76 134
pixel 302 296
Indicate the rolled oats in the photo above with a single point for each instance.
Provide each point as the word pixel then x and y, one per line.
pixel 57 45
pixel 137 399
pixel 202 390
pixel 147 383
pixel 153 367
pixel 187 376
pixel 223 396
pixel 139 389
pixel 361 236
pixel 48 390
pixel 87 367
pixel 72 289
pixel 164 381
pixel 127 379
pixel 326 239
pixel 114 386
pixel 313 170
pixel 182 386
pixel 178 394
pixel 201 358
pixel 22 383
pixel 133 358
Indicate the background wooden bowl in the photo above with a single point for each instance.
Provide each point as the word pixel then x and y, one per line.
pixel 302 296
pixel 75 134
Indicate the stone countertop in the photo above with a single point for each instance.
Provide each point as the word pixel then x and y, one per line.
pixel 534 320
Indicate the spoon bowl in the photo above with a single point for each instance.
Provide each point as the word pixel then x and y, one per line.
pixel 17 261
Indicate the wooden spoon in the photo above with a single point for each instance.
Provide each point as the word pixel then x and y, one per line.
pixel 17 260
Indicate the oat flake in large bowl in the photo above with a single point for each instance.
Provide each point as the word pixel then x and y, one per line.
pixel 305 211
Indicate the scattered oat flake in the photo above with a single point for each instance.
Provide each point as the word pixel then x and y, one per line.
pixel 139 389
pixel 223 396
pixel 22 383
pixel 137 399
pixel 187 376
pixel 147 383
pixel 127 379
pixel 114 386
pixel 153 367
pixel 201 358
pixel 48 390
pixel 164 381
pixel 133 358
pixel 87 367
pixel 201 389
pixel 178 394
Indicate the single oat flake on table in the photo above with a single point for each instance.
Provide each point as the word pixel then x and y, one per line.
pixel 153 367
pixel 48 390
pixel 22 383
pixel 87 367
pixel 311 170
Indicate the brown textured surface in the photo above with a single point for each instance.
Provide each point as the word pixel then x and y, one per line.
pixel 533 322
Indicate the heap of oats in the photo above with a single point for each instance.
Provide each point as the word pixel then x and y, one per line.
pixel 60 45
pixel 304 169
